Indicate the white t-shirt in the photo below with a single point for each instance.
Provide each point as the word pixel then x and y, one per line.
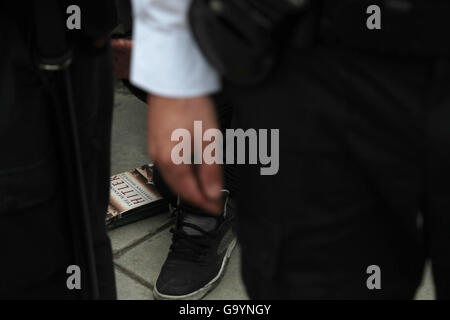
pixel 166 61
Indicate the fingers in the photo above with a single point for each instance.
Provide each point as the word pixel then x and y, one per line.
pixel 182 180
pixel 210 179
pixel 209 174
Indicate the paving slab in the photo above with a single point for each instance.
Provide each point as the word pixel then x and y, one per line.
pixel 129 289
pixel 129 133
pixel 126 236
pixel 146 259
pixel 426 289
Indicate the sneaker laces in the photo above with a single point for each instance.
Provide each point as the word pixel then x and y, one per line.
pixel 188 246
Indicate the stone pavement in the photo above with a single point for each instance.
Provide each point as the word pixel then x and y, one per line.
pixel 141 248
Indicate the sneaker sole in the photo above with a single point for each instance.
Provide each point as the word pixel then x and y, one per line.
pixel 200 293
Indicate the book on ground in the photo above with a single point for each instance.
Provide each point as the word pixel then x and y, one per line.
pixel 133 197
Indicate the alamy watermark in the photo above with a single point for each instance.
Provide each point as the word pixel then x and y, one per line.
pixel 73 281
pixel 374 280
pixel 74 19
pixel 236 152
pixel 374 20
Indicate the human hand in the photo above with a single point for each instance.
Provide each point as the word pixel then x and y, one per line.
pixel 198 184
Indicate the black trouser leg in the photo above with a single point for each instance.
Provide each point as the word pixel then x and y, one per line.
pixel 34 224
pixel 437 208
pixel 94 100
pixel 352 180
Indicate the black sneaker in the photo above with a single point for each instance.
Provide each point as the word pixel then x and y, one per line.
pixel 201 248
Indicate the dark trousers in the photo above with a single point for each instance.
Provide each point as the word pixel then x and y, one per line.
pixel 363 180
pixel 37 244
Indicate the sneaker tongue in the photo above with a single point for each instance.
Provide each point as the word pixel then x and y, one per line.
pixel 205 223
pixel 199 218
